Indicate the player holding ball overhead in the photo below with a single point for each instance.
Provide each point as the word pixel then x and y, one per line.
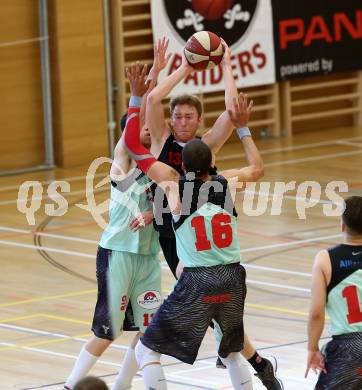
pixel 204 50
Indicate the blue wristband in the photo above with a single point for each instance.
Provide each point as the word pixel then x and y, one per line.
pixel 243 132
pixel 135 101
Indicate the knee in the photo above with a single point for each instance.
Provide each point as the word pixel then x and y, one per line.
pixel 146 356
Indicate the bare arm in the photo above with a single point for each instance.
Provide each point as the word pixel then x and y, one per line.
pixel 140 86
pixel 122 163
pixel 223 127
pixel 154 112
pixel 160 61
pixel 162 174
pixel 320 280
pixel 239 115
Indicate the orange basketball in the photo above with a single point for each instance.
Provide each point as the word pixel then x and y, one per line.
pixel 204 50
pixel 211 9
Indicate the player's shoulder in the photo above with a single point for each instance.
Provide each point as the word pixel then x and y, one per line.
pixel 322 261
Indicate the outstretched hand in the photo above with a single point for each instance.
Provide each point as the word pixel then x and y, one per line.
pixel 241 110
pixel 137 79
pixel 159 53
pixel 226 59
pixel 315 361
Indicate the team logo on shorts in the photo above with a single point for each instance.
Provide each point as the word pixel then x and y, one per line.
pixel 149 299
pixel 227 18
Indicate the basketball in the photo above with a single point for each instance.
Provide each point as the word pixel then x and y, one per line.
pixel 211 9
pixel 204 50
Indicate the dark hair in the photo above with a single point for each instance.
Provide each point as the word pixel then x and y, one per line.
pixel 197 157
pixel 91 383
pixel 191 100
pixel 123 121
pixel 352 215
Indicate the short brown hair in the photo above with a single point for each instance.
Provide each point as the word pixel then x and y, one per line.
pixel 191 100
pixel 352 215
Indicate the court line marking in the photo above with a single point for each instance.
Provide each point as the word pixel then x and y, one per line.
pixel 245 250
pixel 13 319
pixel 292 243
pixel 47 248
pixel 69 178
pixel 277 285
pixel 80 254
pixel 58 336
pixel 169 376
pixel 312 158
pixel 63 194
pixel 356 145
pixel 229 156
pixel 277 309
pixel 271 164
pixel 278 270
pixel 291 148
pixel 50 235
pixel 48 298
pixel 47 342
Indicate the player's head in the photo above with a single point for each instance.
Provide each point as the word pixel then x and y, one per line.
pixel 196 157
pixel 186 111
pixel 352 216
pixel 145 135
pixel 91 383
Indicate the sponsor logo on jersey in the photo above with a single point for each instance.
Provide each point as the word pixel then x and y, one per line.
pixel 149 299
pixel 221 298
pixel 356 253
pixel 350 264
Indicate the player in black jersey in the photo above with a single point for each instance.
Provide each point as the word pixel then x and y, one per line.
pixel 213 284
pixel 337 287
pixel 168 141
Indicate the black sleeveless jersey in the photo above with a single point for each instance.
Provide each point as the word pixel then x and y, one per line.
pixel 194 193
pixel 171 154
pixel 345 259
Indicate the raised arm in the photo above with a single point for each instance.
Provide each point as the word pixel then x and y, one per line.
pixel 162 174
pixel 223 127
pixel 140 87
pixel 155 117
pixel 320 279
pixel 239 115
pixel 136 75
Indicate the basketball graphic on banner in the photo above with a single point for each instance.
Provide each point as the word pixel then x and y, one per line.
pixel 229 19
pixel 204 50
pixel 211 9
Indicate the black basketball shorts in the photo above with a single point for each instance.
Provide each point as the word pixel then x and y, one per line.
pixel 343 362
pixel 200 295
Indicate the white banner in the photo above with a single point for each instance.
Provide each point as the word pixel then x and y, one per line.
pixel 246 26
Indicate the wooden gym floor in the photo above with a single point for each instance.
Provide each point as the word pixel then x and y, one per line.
pixel 48 286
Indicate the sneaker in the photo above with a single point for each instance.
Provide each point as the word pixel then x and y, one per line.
pixel 268 375
pixel 220 364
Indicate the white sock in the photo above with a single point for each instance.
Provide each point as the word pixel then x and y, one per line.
pixel 127 371
pixel 152 372
pixel 83 364
pixel 238 371
pixel 153 377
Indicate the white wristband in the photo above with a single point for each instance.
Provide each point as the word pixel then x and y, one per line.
pixel 243 132
pixel 135 101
